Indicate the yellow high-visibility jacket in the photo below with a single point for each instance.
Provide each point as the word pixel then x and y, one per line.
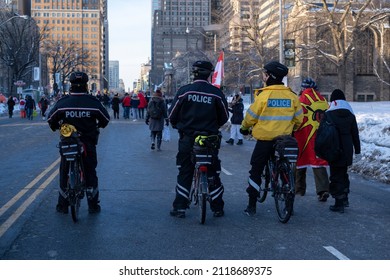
pixel 276 111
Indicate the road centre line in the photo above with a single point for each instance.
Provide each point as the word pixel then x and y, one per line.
pixel 27 188
pixel 335 253
pixel 12 219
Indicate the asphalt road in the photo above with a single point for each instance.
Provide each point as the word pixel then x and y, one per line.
pixel 137 190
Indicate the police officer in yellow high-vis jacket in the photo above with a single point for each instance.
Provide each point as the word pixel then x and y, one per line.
pixel 276 111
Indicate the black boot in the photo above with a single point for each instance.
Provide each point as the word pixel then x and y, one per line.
pixel 239 142
pixel 251 208
pixel 338 206
pixel 230 141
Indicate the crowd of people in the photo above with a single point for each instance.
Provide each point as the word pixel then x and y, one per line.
pixel 202 107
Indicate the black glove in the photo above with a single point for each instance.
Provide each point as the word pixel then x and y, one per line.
pixel 147 121
pixel 244 130
pixel 166 122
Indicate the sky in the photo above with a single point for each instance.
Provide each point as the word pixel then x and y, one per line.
pixel 129 36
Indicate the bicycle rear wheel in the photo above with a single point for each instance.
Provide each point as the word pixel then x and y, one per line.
pixel 74 184
pixel 202 197
pixel 284 191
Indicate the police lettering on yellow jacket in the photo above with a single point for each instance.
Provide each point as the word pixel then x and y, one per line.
pixel 275 111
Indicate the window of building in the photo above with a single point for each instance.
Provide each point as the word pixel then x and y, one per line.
pixel 364 53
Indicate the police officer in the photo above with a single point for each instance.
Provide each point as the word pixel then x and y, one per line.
pixel 87 114
pixel 276 111
pixel 199 106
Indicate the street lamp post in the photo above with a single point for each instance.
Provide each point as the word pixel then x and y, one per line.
pixel 204 35
pixel 16 16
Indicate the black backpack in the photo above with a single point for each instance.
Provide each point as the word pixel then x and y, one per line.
pixel 327 145
pixel 154 109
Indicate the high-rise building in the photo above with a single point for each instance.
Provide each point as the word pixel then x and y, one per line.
pixel 114 74
pixel 83 23
pixel 178 26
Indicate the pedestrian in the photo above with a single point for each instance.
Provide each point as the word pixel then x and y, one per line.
pixel 276 111
pixel 106 101
pixel 43 105
pixel 115 105
pixel 236 107
pixel 22 107
pixel 11 105
pixel 87 114
pixel 344 119
pixel 126 106
pixel 142 105
pixel 313 106
pixel 134 103
pixel 30 107
pixel 199 106
pixel 156 114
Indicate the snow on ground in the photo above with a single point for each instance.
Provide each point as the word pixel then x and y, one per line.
pixel 373 120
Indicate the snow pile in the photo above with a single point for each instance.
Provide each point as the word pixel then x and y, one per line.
pixel 374 128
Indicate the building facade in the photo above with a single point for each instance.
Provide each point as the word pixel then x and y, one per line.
pixel 85 24
pixel 114 75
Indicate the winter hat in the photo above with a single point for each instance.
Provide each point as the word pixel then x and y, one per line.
pixel 308 83
pixel 337 94
pixel 276 70
pixel 158 93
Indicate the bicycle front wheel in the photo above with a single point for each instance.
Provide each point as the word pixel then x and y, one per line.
pixel 265 177
pixel 284 191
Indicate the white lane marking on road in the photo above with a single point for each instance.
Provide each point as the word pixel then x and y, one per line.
pixel 28 187
pixel 225 171
pixel 12 219
pixel 335 253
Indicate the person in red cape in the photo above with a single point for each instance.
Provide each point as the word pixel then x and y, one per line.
pixel 313 105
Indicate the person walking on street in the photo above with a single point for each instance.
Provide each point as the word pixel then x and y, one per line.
pixel 126 106
pixel 115 105
pixel 43 105
pixel 276 111
pixel 142 105
pixel 156 114
pixel 30 107
pixel 134 103
pixel 11 105
pixel 344 119
pixel 313 105
pixel 236 107
pixel 199 106
pixel 22 107
pixel 87 114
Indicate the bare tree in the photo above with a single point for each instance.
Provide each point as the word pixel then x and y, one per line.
pixel 65 57
pixel 328 33
pixel 19 47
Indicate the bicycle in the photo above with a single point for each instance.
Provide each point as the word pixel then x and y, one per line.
pixel 278 177
pixel 203 156
pixel 71 150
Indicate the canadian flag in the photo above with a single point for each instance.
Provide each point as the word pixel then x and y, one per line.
pixel 218 72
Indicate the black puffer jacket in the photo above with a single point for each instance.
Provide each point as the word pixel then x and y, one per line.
pixel 237 110
pixel 199 106
pixel 83 111
pixel 345 121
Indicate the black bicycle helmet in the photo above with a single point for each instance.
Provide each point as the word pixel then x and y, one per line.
pixel 202 69
pixel 78 82
pixel 276 70
pixel 78 78
pixel 308 83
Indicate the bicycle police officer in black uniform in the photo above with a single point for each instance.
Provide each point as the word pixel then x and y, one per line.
pixel 197 107
pixel 87 114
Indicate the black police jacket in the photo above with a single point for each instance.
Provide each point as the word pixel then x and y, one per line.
pixel 82 110
pixel 199 106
